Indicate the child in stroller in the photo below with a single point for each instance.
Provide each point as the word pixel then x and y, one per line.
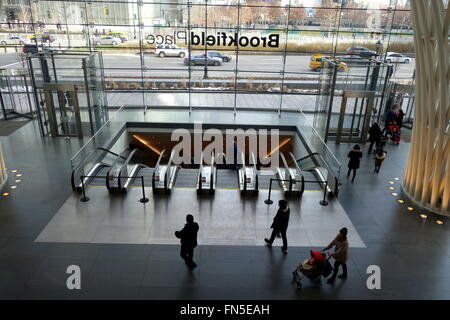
pixel 393 132
pixel 313 268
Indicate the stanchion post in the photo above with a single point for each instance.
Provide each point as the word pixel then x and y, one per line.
pixel 84 198
pixel 143 199
pixel 268 201
pixel 324 202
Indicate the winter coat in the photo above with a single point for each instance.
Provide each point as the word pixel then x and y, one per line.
pixel 379 159
pixel 281 220
pixel 355 156
pixel 188 235
pixel 374 133
pixel 340 245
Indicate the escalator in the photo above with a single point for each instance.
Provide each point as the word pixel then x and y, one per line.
pixel 207 175
pixel 125 171
pixel 93 168
pixel 292 180
pixel 165 173
pixel 248 175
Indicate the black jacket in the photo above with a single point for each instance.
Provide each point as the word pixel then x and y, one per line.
pixel 281 220
pixel 188 235
pixel 374 133
pixel 355 156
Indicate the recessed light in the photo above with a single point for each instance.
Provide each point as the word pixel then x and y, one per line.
pixel 391 182
pixel 397 179
pixel 14 171
pixel 19 180
pixel 5 194
pixel 13 187
pixel 391 188
pixel 410 208
pixel 19 175
pixel 400 201
pixel 439 222
pixel 394 194
pixel 423 216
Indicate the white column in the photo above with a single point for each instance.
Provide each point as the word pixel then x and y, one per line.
pixel 3 171
pixel 427 176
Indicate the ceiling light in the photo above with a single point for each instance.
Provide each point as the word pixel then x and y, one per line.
pixel 14 171
pixel 5 194
pixel 397 179
pixel 410 208
pixel 19 180
pixel 400 201
pixel 439 222
pixel 391 188
pixel 19 175
pixel 423 216
pixel 13 187
pixel 391 182
pixel 394 194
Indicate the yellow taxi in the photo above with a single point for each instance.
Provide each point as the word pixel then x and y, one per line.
pixel 119 35
pixel 316 63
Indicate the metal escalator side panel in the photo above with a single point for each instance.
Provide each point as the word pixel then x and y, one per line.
pixel 199 175
pixel 132 176
pixel 300 180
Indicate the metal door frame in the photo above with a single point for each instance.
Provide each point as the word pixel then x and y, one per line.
pixel 359 94
pixel 48 89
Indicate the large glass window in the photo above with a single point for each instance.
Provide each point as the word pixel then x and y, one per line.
pixel 211 53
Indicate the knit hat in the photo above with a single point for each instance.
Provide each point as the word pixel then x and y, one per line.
pixel 343 231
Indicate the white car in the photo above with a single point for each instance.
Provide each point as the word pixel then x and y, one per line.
pixel 14 40
pixel 393 57
pixel 170 50
pixel 108 40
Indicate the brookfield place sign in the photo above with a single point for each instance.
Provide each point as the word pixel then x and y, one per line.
pixel 218 39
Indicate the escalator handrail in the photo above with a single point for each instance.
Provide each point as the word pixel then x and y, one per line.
pixel 112 166
pixel 125 164
pixel 85 160
pixel 308 156
pixel 244 171
pixel 161 155
pixel 283 159
pixel 299 171
pixel 213 164
pixel 168 170
pixel 199 176
pixel 252 155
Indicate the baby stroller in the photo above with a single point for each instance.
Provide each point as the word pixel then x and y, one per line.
pixel 313 268
pixel 393 132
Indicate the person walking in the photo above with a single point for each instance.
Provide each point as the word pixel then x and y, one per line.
pixel 379 158
pixel 340 255
pixel 355 156
pixel 374 136
pixel 280 225
pixel 188 239
pixel 399 118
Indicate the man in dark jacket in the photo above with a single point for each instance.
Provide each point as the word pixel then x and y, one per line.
pixel 374 136
pixel 280 225
pixel 188 239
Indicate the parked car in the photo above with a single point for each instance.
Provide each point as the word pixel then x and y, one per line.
pixel 316 63
pixel 217 54
pixel 14 40
pixel 170 50
pixel 361 51
pixel 42 37
pixel 119 35
pixel 199 59
pixel 107 40
pixel 35 48
pixel 393 57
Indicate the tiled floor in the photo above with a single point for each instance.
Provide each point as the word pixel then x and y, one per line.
pixel 225 219
pixel 413 253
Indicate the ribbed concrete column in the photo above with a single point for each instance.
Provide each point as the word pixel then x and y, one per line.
pixel 427 176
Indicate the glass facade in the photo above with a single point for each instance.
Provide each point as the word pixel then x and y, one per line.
pixel 212 53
